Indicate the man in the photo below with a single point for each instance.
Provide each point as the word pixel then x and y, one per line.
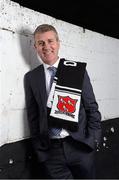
pixel 71 153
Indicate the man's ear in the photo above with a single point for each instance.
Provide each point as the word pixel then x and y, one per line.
pixel 34 45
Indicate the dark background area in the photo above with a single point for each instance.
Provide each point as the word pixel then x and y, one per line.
pixel 97 15
pixel 18 161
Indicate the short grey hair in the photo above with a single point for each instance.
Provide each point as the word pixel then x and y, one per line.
pixel 45 28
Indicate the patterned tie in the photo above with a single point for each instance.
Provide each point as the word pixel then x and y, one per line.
pixel 52 70
pixel 53 131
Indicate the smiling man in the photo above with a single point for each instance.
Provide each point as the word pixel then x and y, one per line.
pixel 63 115
pixel 47 45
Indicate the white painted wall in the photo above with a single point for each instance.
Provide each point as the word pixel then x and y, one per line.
pixel 17 56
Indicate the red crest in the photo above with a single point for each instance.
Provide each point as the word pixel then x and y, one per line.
pixel 66 104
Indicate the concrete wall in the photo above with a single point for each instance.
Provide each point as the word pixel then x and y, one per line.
pixel 17 56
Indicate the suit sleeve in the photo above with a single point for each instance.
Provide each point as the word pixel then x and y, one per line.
pixel 31 106
pixel 91 109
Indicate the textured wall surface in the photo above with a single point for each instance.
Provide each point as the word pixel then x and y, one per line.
pixel 17 56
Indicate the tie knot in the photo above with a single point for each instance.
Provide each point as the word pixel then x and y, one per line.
pixel 52 69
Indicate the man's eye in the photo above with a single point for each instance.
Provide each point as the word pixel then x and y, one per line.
pixel 40 43
pixel 51 41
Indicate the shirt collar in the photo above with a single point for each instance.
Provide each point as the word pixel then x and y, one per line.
pixel 54 65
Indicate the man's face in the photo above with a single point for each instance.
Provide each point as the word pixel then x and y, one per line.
pixel 47 46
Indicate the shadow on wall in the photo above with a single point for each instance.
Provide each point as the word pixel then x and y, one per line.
pixel 27 48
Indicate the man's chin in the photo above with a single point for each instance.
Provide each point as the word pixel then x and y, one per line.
pixel 49 61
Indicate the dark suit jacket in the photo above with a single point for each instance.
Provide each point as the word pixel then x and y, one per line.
pixel 89 127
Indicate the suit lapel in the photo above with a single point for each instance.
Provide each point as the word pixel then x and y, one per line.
pixel 41 85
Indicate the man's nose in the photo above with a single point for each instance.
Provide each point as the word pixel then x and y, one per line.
pixel 46 45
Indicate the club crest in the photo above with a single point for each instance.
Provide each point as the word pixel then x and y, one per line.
pixel 66 105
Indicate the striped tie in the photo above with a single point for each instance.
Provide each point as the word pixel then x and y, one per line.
pixel 53 131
